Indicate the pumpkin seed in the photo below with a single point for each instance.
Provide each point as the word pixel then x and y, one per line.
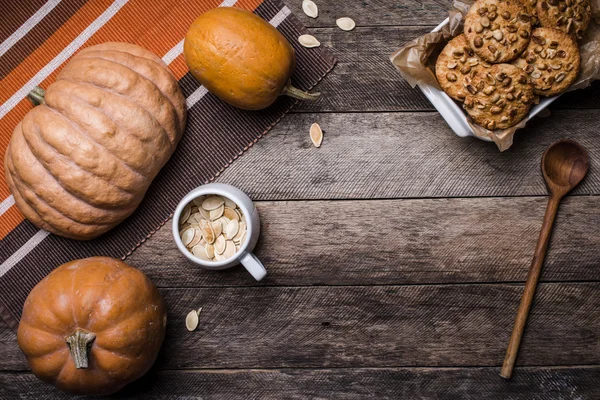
pixel 316 134
pixel 232 229
pixel 198 201
pixel 241 232
pixel 310 8
pixel 200 252
pixel 212 203
pixel 309 41
pixel 185 214
pixel 203 214
pixel 345 23
pixel 188 236
pixel 230 214
pixel 197 238
pixel 229 249
pixel 210 251
pixel 220 245
pixel 191 321
pixel 217 227
pixel 206 233
pixel 217 213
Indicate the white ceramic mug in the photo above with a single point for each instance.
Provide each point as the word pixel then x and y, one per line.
pixel 244 255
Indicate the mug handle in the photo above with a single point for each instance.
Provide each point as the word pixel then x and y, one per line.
pixel 253 265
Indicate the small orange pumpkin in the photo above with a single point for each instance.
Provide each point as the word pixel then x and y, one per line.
pixel 241 58
pixel 92 326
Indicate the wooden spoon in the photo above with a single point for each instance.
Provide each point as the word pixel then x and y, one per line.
pixel 564 165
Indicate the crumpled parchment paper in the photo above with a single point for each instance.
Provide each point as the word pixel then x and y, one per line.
pixel 416 62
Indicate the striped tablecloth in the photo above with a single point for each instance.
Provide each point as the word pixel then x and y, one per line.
pixel 38 36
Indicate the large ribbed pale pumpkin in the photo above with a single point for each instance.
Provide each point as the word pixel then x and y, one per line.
pixel 92 326
pixel 81 161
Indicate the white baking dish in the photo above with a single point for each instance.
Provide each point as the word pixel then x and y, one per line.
pixel 455 115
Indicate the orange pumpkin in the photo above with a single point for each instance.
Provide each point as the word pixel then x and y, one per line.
pixel 81 162
pixel 92 326
pixel 241 58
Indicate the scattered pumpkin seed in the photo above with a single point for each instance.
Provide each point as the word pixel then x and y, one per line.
pixel 309 41
pixel 191 321
pixel 310 8
pixel 345 23
pixel 316 134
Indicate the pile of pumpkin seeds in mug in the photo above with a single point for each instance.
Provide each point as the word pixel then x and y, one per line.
pixel 212 228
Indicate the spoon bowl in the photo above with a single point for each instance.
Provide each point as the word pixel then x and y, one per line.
pixel 564 164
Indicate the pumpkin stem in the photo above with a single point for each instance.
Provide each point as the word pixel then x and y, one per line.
pixel 289 90
pixel 37 95
pixel 79 342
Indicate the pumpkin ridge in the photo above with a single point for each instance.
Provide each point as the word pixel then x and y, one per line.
pixel 151 56
pixel 86 226
pixel 93 309
pixel 20 183
pixel 70 161
pixel 180 118
pixel 101 111
pixel 25 208
pixel 67 185
pixel 144 109
pixel 119 322
pixel 173 141
pixel 11 169
pixel 29 326
pixel 91 139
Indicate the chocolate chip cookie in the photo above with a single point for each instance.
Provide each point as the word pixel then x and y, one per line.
pixel 456 66
pixel 498 30
pixel 569 16
pixel 551 60
pixel 501 98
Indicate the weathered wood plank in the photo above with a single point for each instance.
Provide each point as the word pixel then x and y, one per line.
pixel 377 326
pixel 11 357
pixel 365 79
pixel 392 155
pixel 377 242
pixel 528 383
pixel 375 12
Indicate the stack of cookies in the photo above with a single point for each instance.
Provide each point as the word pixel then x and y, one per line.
pixel 504 61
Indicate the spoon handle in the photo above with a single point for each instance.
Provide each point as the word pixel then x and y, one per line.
pixel 532 279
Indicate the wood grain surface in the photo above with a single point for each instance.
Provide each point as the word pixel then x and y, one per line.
pixel 374 326
pixel 529 383
pixel 399 155
pixel 379 242
pixel 396 252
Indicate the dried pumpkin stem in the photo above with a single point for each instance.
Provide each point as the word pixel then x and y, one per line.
pixel 37 95
pixel 296 93
pixel 79 343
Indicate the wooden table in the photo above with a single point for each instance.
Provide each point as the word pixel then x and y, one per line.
pixel 396 252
